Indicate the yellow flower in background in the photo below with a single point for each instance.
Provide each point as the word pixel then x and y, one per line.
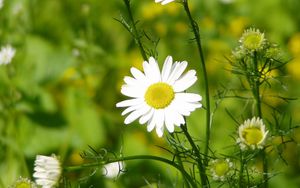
pixel 267 73
pixel 135 58
pixel 294 44
pixel 208 23
pixel 158 97
pixel 161 29
pixel 75 158
pixel 70 74
pixel 172 9
pixel 181 27
pixel 293 68
pixel 252 134
pixel 155 10
pixel 237 26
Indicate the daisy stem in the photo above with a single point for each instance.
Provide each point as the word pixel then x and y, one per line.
pixel 134 30
pixel 203 176
pixel 135 157
pixel 256 90
pixel 196 32
pixel 177 155
pixel 256 93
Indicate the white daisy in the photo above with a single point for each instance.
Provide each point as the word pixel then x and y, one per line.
pixel 221 169
pixel 113 170
pixel 252 40
pixel 47 171
pixel 252 134
pixel 163 2
pixel 159 98
pixel 6 54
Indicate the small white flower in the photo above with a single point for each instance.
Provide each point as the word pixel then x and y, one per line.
pixel 159 98
pixel 6 54
pixel 221 169
pixel 252 134
pixel 113 170
pixel 47 171
pixel 1 4
pixel 163 2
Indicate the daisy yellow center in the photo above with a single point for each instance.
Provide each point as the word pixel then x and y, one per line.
pixel 23 185
pixel 253 41
pixel 221 168
pixel 159 95
pixel 252 135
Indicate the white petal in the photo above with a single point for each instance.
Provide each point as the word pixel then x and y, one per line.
pixel 147 68
pixel 152 122
pixel 160 131
pixel 166 69
pixel 157 120
pixel 178 118
pixel 138 75
pixel 179 107
pixel 136 114
pixel 169 120
pixel 154 69
pixel 133 82
pixel 45 183
pixel 160 122
pixel 177 70
pixel 129 80
pixel 186 81
pixel 166 2
pixel 130 102
pixel 192 106
pixel 132 108
pixel 188 97
pixel 146 117
pixel 184 108
pixel 135 92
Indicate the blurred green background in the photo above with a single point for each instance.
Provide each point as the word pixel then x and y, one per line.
pixel 59 93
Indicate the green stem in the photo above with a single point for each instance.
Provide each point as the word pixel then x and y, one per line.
pixel 256 93
pixel 256 89
pixel 134 31
pixel 196 32
pixel 203 176
pixel 136 157
pixel 241 173
pixel 177 155
pixel 265 169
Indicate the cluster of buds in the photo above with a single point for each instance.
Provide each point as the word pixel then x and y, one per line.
pixel 254 41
